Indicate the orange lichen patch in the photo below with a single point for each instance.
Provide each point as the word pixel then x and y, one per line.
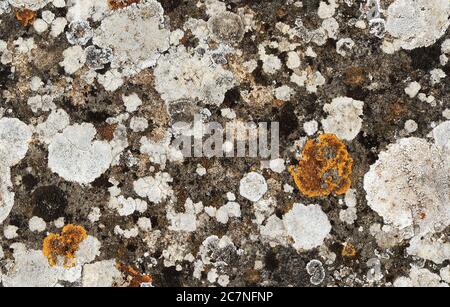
pixel 120 4
pixel 133 278
pixel 348 250
pixel 65 245
pixel 325 169
pixel 26 17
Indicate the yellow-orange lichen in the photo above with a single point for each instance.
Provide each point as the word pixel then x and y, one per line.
pixel 348 250
pixel 120 4
pixel 64 245
pixel 325 169
pixel 25 17
pixel 132 277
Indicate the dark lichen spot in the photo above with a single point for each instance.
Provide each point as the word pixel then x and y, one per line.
pixel 49 202
pixel 271 261
pixel 29 182
pixel 232 97
pixel 425 58
pixel 288 120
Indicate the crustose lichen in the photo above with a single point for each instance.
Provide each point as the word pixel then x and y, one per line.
pixel 325 169
pixel 64 245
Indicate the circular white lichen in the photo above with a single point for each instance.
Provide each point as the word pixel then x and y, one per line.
pixel 417 23
pixel 74 156
pixel 253 186
pixel 136 35
pixel 226 27
pixel 344 119
pixel 409 186
pixel 307 225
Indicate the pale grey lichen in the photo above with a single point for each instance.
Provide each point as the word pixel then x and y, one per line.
pixel 344 119
pixel 136 35
pixel 253 186
pixel 75 157
pixel 308 226
pixel 409 186
pixel 14 138
pixel 227 27
pixel 417 23
pixel 316 271
pixel 29 4
pixel 184 75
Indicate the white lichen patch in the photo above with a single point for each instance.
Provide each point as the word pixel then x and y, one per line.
pixel 101 274
pixel 33 5
pixel 56 122
pixel 161 152
pixel 74 155
pixel 87 9
pixel 156 189
pixel 183 75
pixel 308 226
pixel 127 206
pixel 441 135
pixel 253 186
pixel 431 248
pixel 136 35
pixel 417 23
pixel 30 268
pixel 36 224
pixel 409 187
pixel 186 221
pixel 74 59
pixel 308 79
pixel 14 138
pixel 349 215
pixel 227 211
pixel 344 119
pixel 419 278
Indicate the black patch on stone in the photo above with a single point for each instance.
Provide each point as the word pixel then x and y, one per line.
pixel 29 181
pixel 232 97
pixel 288 120
pixel 368 141
pixel 425 58
pixel 96 117
pixel 49 203
pixel 170 5
pixel 170 277
pixel 357 93
pixel 271 261
pixel 260 77
pixel 102 182
pixel 311 6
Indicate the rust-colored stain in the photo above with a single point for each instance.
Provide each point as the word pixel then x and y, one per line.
pixel 355 76
pixel 120 4
pixel 325 169
pixel 133 277
pixel 65 245
pixel 26 17
pixel 107 132
pixel 348 250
